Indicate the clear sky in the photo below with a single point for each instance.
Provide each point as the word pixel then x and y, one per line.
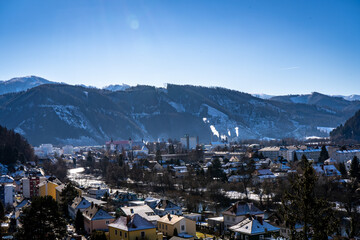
pixel 269 46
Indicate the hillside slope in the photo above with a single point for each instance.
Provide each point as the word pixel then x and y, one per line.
pixel 64 114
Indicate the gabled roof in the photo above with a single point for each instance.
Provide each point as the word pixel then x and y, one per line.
pixel 80 203
pixel 264 172
pixel 252 226
pixel 241 209
pixel 166 205
pixel 170 219
pixel 132 223
pixel 144 211
pixel 6 179
pixel 95 213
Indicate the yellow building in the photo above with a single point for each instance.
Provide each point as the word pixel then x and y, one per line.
pixel 47 188
pixel 185 227
pixel 132 228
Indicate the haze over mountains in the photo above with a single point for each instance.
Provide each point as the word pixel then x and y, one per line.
pixel 65 114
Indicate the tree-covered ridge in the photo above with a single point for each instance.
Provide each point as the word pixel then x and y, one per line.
pixel 14 147
pixel 349 132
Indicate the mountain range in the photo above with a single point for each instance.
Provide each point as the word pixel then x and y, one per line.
pixel 65 114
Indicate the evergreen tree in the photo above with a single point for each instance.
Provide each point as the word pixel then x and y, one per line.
pixel 98 235
pixel 42 220
pixel 79 222
pixel 342 169
pixel 158 157
pixel 355 168
pixel 2 211
pixel 2 216
pixel 67 196
pixel 324 155
pixel 295 157
pixel 301 206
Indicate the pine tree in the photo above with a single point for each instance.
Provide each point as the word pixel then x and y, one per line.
pixel 98 235
pixel 355 168
pixel 342 169
pixel 79 222
pixel 324 155
pixel 301 206
pixel 295 157
pixel 42 220
pixel 2 211
pixel 67 195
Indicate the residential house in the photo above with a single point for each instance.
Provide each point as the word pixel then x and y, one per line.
pixel 345 155
pixel 7 194
pixel 327 170
pixel 132 228
pixel 144 211
pixel 263 174
pixel 310 153
pixel 164 207
pixel 238 212
pixel 82 203
pixel 29 185
pixel 185 228
pixel 48 187
pixel 96 218
pixel 98 192
pixel 216 224
pixel 7 190
pixel 254 228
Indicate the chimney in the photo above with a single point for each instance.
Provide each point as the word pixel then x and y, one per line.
pixel 128 219
pixel 169 216
pixel 260 219
pixel 92 205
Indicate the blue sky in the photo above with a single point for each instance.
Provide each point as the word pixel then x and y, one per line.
pixel 273 47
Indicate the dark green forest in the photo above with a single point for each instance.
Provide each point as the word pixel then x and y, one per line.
pixel 14 147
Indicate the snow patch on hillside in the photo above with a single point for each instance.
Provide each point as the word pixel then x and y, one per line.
pixel 299 99
pixel 69 114
pixel 178 106
pixel 325 129
pixel 213 112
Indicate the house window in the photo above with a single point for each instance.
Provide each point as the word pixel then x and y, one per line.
pixel 261 237
pixel 125 235
pixel 115 232
pixel 142 234
pixel 107 222
pixel 246 237
pixel 166 227
pixel 120 233
pixel 227 218
pixel 233 219
pixel 182 227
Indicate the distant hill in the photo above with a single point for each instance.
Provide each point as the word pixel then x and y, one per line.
pixel 117 87
pixel 328 102
pixel 349 132
pixel 65 114
pixel 21 84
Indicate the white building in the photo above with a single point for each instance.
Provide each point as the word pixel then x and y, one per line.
pixel 345 155
pixel 9 194
pixel 189 142
pixel 68 150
